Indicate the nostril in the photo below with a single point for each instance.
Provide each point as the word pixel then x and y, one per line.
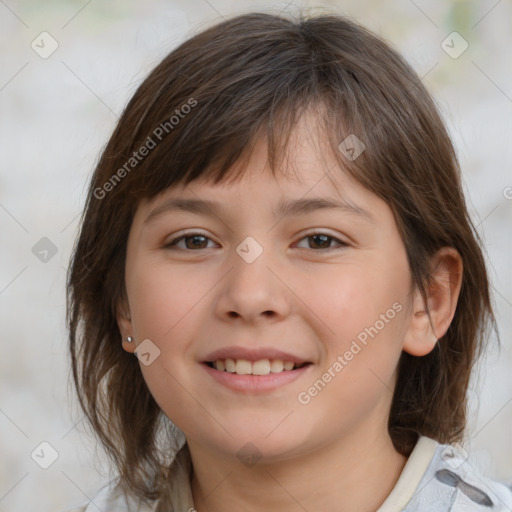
pixel 234 314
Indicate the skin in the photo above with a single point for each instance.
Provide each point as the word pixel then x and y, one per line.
pixel 333 453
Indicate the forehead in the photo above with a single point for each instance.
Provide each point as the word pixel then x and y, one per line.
pixel 307 181
pixel 305 163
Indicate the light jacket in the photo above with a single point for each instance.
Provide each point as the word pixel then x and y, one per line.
pixel 436 478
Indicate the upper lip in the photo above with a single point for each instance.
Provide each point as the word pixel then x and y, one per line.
pixel 253 354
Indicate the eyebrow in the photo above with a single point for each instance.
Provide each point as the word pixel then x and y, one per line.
pixel 284 208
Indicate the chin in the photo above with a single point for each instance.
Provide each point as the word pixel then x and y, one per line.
pixel 260 442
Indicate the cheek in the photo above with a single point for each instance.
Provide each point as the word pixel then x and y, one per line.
pixel 366 317
pixel 365 310
pixel 163 305
pixel 354 297
pixel 160 299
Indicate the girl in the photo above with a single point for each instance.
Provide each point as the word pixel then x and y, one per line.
pixel 277 294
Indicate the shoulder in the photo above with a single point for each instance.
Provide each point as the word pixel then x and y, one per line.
pixel 452 483
pixel 111 498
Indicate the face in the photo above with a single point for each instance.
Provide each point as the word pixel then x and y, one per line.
pixel 274 316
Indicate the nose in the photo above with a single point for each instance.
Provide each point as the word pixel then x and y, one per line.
pixel 253 291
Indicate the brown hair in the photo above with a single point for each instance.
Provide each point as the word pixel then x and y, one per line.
pixel 253 74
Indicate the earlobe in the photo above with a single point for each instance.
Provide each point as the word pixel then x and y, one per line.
pixel 430 319
pixel 124 323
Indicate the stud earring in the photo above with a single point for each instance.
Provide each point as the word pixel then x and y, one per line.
pixel 129 339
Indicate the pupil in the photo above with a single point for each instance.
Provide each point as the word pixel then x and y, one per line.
pixel 325 238
pixel 195 242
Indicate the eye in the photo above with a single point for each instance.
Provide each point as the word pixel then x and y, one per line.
pixel 194 241
pixel 191 241
pixel 322 241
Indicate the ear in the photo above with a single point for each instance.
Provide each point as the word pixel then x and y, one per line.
pixel 442 296
pixel 124 322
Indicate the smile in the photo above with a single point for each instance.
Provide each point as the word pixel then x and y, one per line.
pixel 259 367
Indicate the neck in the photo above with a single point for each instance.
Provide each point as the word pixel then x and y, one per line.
pixel 355 474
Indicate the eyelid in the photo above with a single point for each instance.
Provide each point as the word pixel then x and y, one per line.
pixel 180 235
pixel 320 231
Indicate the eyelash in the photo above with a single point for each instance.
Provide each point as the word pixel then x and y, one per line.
pixel 173 243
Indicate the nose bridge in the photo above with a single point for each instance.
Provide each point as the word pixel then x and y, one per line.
pixel 251 289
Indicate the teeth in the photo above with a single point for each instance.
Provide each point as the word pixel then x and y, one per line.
pixel 276 366
pixel 243 367
pixel 261 367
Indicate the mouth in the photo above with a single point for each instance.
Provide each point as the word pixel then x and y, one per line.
pixel 255 377
pixel 255 370
pixel 259 367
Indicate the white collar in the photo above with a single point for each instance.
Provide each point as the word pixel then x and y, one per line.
pixel 413 471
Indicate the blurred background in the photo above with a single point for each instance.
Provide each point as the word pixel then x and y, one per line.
pixel 67 68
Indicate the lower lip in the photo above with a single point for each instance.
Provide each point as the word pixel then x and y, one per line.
pixel 253 384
